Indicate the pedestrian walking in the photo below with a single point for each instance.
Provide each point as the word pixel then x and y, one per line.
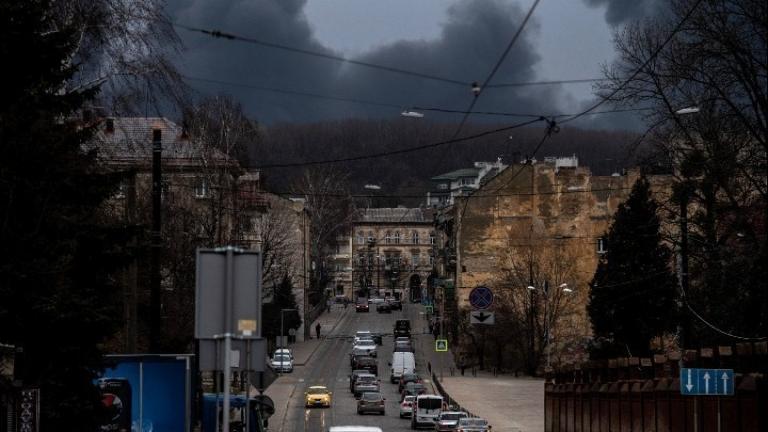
pixel 317 330
pixel 429 367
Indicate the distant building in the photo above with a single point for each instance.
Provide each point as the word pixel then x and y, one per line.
pixel 446 187
pixel 390 251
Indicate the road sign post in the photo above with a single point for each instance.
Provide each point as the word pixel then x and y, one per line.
pixel 482 317
pixel 706 382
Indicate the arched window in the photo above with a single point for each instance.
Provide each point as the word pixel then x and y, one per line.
pixel 415 237
pixel 388 237
pixel 397 237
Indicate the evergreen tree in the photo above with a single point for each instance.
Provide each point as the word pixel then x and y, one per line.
pixel 57 296
pixel 284 298
pixel 632 297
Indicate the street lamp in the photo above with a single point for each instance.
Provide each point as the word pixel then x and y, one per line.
pixel 282 334
pixel 411 114
pixel 688 110
pixel 564 288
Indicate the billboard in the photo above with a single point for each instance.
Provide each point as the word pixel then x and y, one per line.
pixel 153 391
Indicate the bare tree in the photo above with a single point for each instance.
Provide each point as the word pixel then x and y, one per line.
pixel 331 210
pixel 127 48
pixel 715 65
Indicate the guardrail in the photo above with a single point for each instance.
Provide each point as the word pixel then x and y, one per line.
pixel 449 400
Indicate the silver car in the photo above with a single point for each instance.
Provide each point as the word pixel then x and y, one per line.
pixel 366 383
pixel 473 425
pixel 371 402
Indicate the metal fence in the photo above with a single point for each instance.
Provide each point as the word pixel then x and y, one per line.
pixel 633 394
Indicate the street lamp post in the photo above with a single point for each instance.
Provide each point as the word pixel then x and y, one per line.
pixel 564 288
pixel 282 334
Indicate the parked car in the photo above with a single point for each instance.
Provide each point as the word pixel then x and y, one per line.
pixel 366 383
pixel 371 402
pixel 361 307
pixel 407 378
pixel 473 424
pixel 317 396
pixel 282 363
pixel 283 351
pixel 362 334
pixel 383 308
pixel 406 406
pixel 353 377
pixel 449 420
pixel 368 346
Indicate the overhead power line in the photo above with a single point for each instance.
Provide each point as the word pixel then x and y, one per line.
pixel 232 36
pixel 399 151
pixel 553 82
pixel 655 54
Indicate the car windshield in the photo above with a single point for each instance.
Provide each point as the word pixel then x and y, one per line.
pixel 451 416
pixel 366 378
pixel 283 357
pixel 430 403
pixel 365 342
pixel 372 396
pixel 317 390
pixel 410 377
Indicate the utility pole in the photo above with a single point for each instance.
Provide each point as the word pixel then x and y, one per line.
pixel 155 300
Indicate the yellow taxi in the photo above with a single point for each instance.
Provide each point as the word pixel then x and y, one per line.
pixel 318 396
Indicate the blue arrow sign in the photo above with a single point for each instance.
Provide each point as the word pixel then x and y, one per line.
pixel 706 382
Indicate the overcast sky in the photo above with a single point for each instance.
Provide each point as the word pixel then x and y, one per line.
pixel 458 39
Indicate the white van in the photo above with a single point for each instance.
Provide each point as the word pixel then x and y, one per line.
pixel 402 363
pixel 426 410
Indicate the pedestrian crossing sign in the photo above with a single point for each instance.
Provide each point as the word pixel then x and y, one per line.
pixel 429 309
pixel 441 345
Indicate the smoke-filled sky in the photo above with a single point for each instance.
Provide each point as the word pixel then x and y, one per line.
pixel 457 39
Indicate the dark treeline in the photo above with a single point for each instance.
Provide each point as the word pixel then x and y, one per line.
pixel 604 152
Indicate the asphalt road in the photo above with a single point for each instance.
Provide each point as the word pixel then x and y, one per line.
pixel 330 367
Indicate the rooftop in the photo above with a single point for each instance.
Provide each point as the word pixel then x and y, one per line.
pixel 453 175
pixel 394 215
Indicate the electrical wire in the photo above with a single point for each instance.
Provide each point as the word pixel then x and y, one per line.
pixel 653 55
pixel 231 36
pixel 555 82
pixel 399 151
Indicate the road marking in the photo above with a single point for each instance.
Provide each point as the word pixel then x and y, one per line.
pixel 301 379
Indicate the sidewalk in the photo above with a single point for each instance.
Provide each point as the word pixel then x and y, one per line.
pixel 509 404
pixel 283 388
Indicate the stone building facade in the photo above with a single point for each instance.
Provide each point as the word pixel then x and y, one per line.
pixel 535 229
pixel 389 251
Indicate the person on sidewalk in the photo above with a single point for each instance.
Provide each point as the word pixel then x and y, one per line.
pixel 317 330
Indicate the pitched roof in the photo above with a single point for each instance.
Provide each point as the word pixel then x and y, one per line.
pixel 130 140
pixel 453 175
pixel 394 215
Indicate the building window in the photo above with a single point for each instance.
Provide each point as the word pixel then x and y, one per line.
pixel 467 181
pixel 338 248
pixel 415 260
pixel 415 237
pixel 388 237
pixel 121 188
pixel 601 246
pixel 397 237
pixel 360 238
pixel 370 237
pixel 431 261
pixel 432 238
pixel 201 187
pixel 442 186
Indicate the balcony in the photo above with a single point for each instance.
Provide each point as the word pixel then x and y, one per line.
pixel 254 200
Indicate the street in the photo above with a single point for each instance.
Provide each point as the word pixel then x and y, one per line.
pixel 330 367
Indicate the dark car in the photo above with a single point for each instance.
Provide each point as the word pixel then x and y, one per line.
pixel 413 389
pixel 402 328
pixel 376 338
pixel 407 378
pixel 396 305
pixel 364 362
pixel 353 377
pixel 383 308
pixel 371 402
pixel 361 307
pixel 403 347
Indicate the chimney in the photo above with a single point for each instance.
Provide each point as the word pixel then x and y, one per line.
pixel 110 126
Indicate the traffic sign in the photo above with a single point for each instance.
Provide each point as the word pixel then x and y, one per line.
pixel 441 345
pixel 429 309
pixel 482 317
pixel 706 382
pixel 481 297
